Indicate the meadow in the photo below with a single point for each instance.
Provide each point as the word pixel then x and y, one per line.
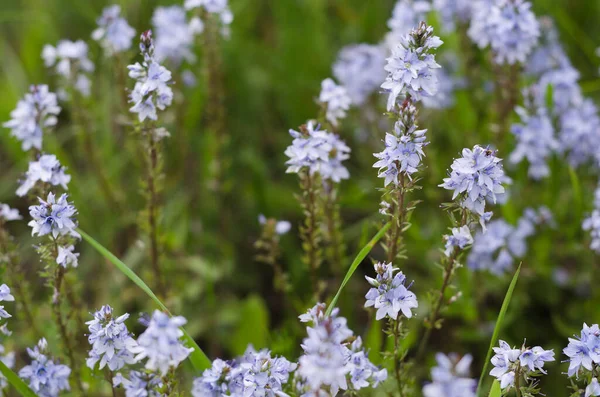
pixel 299 198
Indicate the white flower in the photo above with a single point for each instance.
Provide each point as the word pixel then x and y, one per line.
pixel 113 32
pixel 335 99
pixel 47 169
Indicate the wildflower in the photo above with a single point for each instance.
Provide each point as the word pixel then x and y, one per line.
pixel 54 217
pixel 46 378
pixel 9 214
pixel 70 60
pixel 593 389
pixel 451 377
pixel 477 176
pixel 35 112
pixel 335 99
pixel 47 169
pixel 66 257
pixel 583 351
pixel 460 238
pixel 253 374
pixel 151 90
pixel 579 133
pixel 161 343
pixel 174 34
pixel 360 69
pixel 389 295
pixel 509 27
pixel 112 344
pixel 217 7
pixel 406 15
pixel 139 384
pixel 330 360
pixel 535 141
pixel 410 68
pixel 509 362
pixel 317 151
pixel 452 11
pixel 113 32
pixel 281 227
pixel 403 148
pixel 5 295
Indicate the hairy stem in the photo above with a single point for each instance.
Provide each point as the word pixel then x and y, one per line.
pixel 397 354
pixel 335 250
pixel 394 235
pixel 153 213
pixel 310 231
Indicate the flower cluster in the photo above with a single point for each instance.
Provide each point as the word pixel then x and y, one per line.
pixel 460 238
pixel 411 66
pixel 47 169
pixel 8 214
pixel 535 141
pixel 113 32
pixel 510 362
pixel 451 377
pixel 403 148
pixel 70 60
pixel 151 90
pixel 253 374
pixel 583 351
pixel 389 294
pixel 139 384
pixel 592 222
pixel 452 11
pixel 35 112
pixel 360 68
pixel 46 378
pixel 406 15
pixel 509 27
pixel 174 35
pixel 161 343
pixel 217 7
pixel 112 344
pixel 334 98
pixel 317 151
pixel 495 249
pixel 331 361
pixel 67 256
pixel 477 177
pixel 579 134
pixel 5 296
pixel 54 217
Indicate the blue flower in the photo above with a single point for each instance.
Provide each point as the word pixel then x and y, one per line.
pixel 507 360
pixel 359 68
pixel 45 377
pixel 389 295
pixel 47 169
pixel 113 32
pixel 335 99
pixel 460 238
pixel 451 377
pixel 53 216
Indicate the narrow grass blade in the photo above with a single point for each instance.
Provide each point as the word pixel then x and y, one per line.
pixel 15 381
pixel 496 391
pixel 498 326
pixel 199 360
pixel 359 258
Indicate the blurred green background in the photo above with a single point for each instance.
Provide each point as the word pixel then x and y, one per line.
pixel 273 63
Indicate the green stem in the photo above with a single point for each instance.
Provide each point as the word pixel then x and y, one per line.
pixel 397 355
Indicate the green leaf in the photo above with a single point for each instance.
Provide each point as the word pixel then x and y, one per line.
pixel 496 391
pixel 252 326
pixel 15 381
pixel 576 186
pixel 498 326
pixel 359 258
pixel 199 360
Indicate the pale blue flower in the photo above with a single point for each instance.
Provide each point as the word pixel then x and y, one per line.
pixel 406 15
pixel 509 27
pixel 389 294
pixel 336 101
pixel 113 32
pixel 70 60
pixel 450 378
pixel 47 169
pixel 67 257
pixel 34 113
pixel 452 11
pixel 410 68
pixel 45 377
pixel 360 68
pixel 161 343
pixel 53 216
pixel 583 351
pixel 174 34
pixel 475 178
pixel 112 344
pixel 593 389
pixel 139 384
pixel 579 133
pixel 507 360
pixel 460 238
pixel 9 214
